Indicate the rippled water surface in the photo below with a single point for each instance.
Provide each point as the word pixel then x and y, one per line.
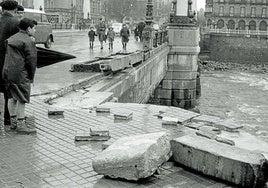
pixel 241 97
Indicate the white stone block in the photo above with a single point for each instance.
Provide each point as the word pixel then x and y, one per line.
pixel 134 157
pixel 238 166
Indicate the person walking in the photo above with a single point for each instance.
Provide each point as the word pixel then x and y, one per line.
pixel 8 27
pixel 124 33
pixel 91 35
pixel 101 32
pixel 110 36
pixel 18 72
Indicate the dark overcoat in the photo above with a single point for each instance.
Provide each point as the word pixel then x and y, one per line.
pixel 20 65
pixel 8 27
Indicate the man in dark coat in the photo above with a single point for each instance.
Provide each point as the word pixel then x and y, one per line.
pixel 8 27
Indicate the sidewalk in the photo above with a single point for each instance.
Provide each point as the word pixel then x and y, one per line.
pixel 51 158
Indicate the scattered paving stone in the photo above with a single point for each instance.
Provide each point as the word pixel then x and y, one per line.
pixel 169 121
pixel 206 134
pixel 53 111
pixel 228 126
pixel 194 125
pixel 211 120
pixel 206 128
pixel 239 166
pixel 123 116
pixel 103 109
pixel 134 157
pixel 225 140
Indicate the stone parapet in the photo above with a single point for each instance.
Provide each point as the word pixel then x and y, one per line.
pixel 235 165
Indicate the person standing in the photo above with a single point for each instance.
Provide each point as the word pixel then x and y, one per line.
pixel 110 36
pixel 101 32
pixel 19 71
pixel 91 36
pixel 8 27
pixel 124 33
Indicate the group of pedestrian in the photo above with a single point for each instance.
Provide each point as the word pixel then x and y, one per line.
pixel 109 35
pixel 18 58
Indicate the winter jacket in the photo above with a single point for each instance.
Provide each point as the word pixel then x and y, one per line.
pixel 110 35
pixel 20 65
pixel 8 27
pixel 91 35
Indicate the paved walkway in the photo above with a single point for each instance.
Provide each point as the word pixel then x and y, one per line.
pixel 51 158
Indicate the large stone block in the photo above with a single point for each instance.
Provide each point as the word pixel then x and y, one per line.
pixel 235 165
pixel 134 157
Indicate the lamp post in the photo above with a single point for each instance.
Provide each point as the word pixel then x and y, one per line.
pixel 148 31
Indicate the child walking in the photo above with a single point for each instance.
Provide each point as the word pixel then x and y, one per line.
pixel 110 36
pixel 124 33
pixel 19 71
pixel 91 35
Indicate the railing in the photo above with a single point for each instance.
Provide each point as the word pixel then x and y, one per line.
pixel 238 32
pixel 160 37
pixel 64 26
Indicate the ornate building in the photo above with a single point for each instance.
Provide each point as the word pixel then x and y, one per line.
pixel 95 10
pixel 67 11
pixel 237 14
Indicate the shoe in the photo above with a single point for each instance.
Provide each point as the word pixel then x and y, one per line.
pixel 22 128
pixel 13 123
pixel 101 48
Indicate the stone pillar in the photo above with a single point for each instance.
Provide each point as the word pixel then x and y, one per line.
pixel 183 40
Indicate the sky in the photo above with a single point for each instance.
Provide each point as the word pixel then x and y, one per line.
pixel 201 4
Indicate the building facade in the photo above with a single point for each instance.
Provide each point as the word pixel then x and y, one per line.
pixel 237 14
pixel 67 11
pixel 95 12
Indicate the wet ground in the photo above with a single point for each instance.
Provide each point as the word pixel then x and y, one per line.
pixel 238 96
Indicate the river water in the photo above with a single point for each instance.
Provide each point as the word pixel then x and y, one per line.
pixel 240 97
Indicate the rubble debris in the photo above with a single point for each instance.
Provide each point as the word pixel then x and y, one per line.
pixel 52 112
pixel 102 109
pixel 93 136
pixel 238 166
pixel 123 116
pixel 169 120
pixel 134 157
pixel 209 120
pixel 207 134
pixel 225 140
pixel 228 126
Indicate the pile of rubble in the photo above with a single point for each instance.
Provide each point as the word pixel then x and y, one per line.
pixel 209 65
pixel 202 148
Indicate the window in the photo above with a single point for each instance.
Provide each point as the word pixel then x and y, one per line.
pixel 221 11
pixel 221 1
pixel 242 11
pixel 231 11
pixel 264 12
pixel 253 11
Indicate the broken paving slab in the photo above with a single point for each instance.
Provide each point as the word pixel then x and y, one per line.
pixel 123 115
pixel 224 140
pixel 229 163
pixel 134 157
pixel 228 126
pixel 211 120
pixel 169 120
pixel 55 111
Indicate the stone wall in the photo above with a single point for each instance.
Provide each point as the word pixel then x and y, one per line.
pixel 140 83
pixel 233 48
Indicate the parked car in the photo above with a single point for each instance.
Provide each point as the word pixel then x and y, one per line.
pixel 117 27
pixel 43 33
